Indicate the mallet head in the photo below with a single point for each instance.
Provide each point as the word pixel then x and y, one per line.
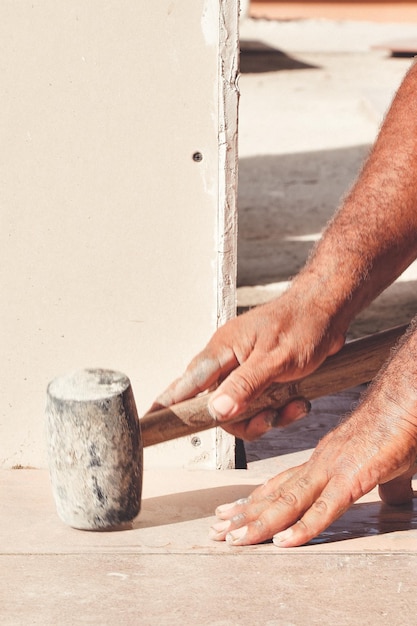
pixel 94 449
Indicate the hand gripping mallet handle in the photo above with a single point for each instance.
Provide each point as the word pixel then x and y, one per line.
pixel 356 363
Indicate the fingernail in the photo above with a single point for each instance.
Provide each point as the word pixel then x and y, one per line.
pixel 283 536
pixel 222 406
pixel 225 507
pixel 236 535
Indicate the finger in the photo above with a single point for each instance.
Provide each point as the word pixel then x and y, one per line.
pixel 399 490
pixel 282 512
pixel 261 496
pixel 235 515
pixel 293 411
pixel 202 373
pixel 252 429
pixel 238 517
pixel 243 384
pixel 325 509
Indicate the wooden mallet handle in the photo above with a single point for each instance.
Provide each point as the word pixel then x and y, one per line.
pixel 356 363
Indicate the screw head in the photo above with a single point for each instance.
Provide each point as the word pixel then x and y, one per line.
pixel 197 157
pixel 195 441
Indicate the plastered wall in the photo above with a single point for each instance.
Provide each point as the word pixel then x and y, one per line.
pixel 117 247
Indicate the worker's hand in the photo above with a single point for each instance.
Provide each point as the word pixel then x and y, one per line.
pixel 278 342
pixel 376 445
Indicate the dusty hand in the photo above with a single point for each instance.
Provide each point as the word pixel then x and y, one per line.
pixel 376 445
pixel 278 342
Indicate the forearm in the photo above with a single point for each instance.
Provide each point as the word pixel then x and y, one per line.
pixel 373 236
pixel 393 392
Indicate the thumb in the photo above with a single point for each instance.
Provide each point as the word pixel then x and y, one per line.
pixel 242 385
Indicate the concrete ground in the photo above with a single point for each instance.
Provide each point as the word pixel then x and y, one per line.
pixel 313 95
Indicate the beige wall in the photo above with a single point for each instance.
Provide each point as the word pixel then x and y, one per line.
pixel 112 237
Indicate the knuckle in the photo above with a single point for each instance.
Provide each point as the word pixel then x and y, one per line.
pixel 289 499
pixel 239 519
pixel 201 371
pixel 304 483
pixel 261 529
pixel 303 527
pixel 320 507
pixel 243 385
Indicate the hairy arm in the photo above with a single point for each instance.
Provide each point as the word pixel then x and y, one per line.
pixel 373 237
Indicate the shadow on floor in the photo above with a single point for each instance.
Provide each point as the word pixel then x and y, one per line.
pixel 284 202
pixel 367 519
pixel 257 57
pixel 188 505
